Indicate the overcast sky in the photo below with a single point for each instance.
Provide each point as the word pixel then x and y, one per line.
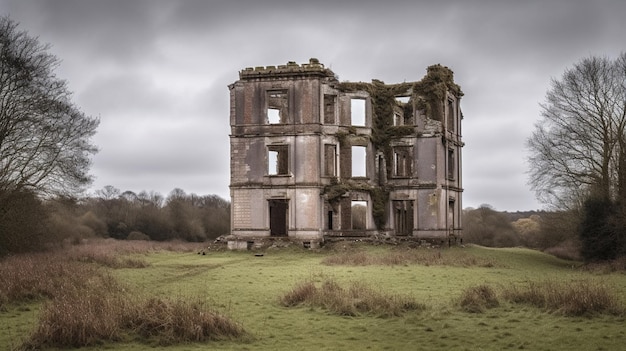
pixel 156 73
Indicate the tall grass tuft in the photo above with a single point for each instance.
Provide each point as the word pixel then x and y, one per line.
pixel 478 298
pixel 78 317
pixel 171 321
pixel 356 299
pixel 578 298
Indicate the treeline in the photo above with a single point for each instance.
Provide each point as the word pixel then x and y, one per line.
pixel 552 232
pixel 28 223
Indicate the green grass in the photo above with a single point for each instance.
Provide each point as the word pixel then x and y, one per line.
pixel 248 289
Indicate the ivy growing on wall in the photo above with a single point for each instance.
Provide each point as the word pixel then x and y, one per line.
pixel 427 95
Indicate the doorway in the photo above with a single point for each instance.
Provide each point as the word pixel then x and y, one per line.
pixel 278 217
pixel 403 217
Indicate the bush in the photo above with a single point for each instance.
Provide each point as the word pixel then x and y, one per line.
pixel 137 235
pixel 22 222
pixel 90 220
pixel 602 231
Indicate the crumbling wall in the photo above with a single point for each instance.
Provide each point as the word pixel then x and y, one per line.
pixel 302 116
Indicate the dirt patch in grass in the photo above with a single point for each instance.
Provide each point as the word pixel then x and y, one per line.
pixel 356 299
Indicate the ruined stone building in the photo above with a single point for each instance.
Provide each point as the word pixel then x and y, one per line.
pixel 313 158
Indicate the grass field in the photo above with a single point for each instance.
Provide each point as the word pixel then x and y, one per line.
pixel 248 289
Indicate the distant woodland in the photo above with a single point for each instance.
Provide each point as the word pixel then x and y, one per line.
pixel 31 223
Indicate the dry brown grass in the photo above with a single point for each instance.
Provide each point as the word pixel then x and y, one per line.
pixel 356 299
pixel 80 316
pixel 35 276
pixel 407 256
pixel 86 306
pixel 577 298
pixel 173 321
pixel 567 250
pixel 100 255
pixel 478 298
pixel 88 318
pixel 616 265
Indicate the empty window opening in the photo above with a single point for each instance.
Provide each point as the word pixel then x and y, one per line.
pixel 451 116
pixel 451 164
pixel 403 217
pixel 277 106
pixel 359 155
pixel 278 160
pixel 402 99
pixel 403 114
pixel 403 161
pixel 278 209
pixel 329 109
pixel 273 115
pixel 398 119
pixel 357 112
pixel 359 214
pixel 330 160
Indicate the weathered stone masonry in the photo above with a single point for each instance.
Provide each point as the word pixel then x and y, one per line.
pixel 313 158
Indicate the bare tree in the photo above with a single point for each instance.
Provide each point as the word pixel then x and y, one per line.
pixel 44 138
pixel 578 148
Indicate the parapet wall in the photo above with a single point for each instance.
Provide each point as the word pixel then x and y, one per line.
pixel 313 68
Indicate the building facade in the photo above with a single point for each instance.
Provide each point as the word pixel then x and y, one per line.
pixel 313 158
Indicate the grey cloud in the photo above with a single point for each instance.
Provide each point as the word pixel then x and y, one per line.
pixel 156 72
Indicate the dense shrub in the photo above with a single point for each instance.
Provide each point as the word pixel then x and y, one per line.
pixel 22 222
pixel 137 235
pixel 602 231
